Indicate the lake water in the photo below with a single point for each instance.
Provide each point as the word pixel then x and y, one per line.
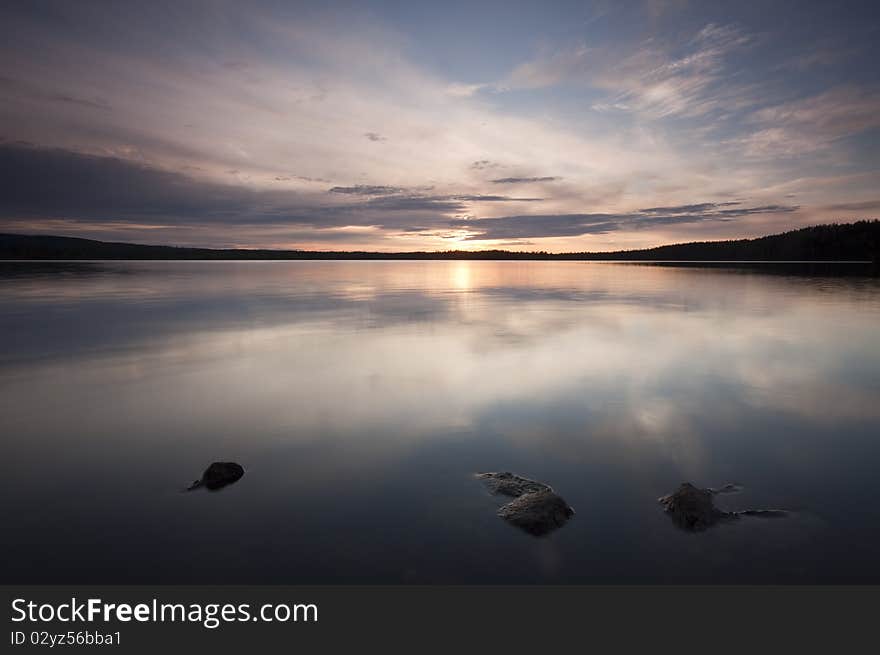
pixel 362 396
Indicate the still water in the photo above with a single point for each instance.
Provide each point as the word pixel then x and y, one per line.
pixel 362 396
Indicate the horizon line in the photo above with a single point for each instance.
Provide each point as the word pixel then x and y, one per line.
pixel 544 253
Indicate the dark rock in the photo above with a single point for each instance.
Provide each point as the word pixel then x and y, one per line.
pixel 692 509
pixel 537 512
pixel 218 475
pixel 508 484
pixel 535 508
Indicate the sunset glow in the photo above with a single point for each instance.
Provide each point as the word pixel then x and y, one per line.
pixel 376 126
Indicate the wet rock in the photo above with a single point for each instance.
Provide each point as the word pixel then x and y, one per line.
pixel 538 512
pixel 536 508
pixel 508 484
pixel 218 475
pixel 692 508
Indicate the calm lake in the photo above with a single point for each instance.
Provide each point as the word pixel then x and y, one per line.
pixel 362 396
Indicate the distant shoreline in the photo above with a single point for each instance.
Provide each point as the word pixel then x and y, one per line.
pixel 862 262
pixel 856 243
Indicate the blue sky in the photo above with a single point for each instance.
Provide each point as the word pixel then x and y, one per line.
pixel 411 125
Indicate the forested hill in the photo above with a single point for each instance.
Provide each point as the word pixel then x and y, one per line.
pixel 844 242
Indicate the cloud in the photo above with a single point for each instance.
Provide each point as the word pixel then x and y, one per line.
pixel 60 183
pixel 55 183
pixel 868 205
pixel 494 198
pixel 464 90
pixel 51 183
pixel 444 205
pixel 155 103
pixel 549 70
pixel 449 204
pixel 366 190
pixel 650 79
pixel 520 180
pixel 483 164
pixel 692 84
pixel 571 225
pixel 298 99
pixel 813 123
pixel 688 209
pixel 391 195
pixel 301 178
pixel 308 91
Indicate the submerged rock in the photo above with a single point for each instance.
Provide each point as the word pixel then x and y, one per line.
pixel 508 484
pixel 693 509
pixel 536 508
pixel 218 475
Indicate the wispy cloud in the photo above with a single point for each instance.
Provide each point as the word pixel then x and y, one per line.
pixel 694 83
pixel 523 180
pixel 549 69
pixel 813 123
pixel 652 80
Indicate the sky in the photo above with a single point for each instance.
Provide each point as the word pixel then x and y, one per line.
pixel 399 126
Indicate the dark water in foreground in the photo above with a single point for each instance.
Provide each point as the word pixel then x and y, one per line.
pixel 361 396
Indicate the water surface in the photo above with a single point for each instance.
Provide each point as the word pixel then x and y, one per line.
pixel 361 397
